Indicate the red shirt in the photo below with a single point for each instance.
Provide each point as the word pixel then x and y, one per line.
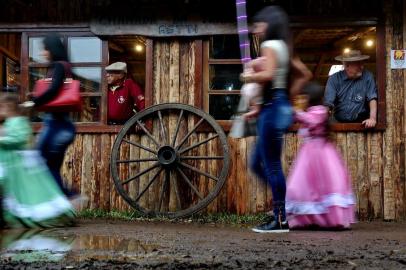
pixel 123 100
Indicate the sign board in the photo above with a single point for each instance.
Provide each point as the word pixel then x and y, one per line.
pixel 162 28
pixel 398 59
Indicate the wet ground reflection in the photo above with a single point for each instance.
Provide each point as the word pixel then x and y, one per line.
pixel 51 245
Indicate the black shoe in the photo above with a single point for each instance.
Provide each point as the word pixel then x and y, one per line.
pixel 273 227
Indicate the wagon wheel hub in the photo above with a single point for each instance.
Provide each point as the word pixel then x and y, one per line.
pixel 167 156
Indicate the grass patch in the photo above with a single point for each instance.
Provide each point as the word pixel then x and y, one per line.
pixel 217 218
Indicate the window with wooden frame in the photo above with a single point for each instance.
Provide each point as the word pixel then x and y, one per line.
pixel 89 55
pixel 221 72
pixel 315 44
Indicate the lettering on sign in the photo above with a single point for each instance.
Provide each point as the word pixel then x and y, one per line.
pixel 177 29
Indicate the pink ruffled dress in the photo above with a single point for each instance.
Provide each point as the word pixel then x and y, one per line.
pixel 319 191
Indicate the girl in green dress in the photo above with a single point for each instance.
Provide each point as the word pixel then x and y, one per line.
pixel 30 196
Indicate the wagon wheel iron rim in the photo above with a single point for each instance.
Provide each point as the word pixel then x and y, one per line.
pixel 172 160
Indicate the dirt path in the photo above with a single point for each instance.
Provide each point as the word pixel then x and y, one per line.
pixel 101 244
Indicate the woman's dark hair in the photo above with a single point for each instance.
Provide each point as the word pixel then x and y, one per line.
pixel 315 92
pixel 54 45
pixel 277 21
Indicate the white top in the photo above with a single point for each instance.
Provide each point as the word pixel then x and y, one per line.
pixel 282 53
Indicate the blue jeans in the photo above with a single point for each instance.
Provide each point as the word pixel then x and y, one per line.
pixel 55 137
pixel 274 119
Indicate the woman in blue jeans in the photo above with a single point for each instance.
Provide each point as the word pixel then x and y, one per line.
pixel 58 130
pixel 275 113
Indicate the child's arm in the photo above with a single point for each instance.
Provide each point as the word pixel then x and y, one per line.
pixel 312 118
pixel 254 111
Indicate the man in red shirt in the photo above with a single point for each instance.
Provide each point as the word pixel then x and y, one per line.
pixel 125 97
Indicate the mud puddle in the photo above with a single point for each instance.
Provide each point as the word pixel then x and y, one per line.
pixel 106 244
pixel 51 246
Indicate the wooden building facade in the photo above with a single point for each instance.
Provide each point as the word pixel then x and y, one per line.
pixel 187 56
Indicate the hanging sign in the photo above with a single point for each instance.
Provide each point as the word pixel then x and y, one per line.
pixel 162 28
pixel 398 59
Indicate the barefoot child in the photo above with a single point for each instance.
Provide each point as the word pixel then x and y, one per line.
pixel 319 187
pixel 31 197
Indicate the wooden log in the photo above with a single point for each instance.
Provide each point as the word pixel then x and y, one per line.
pixel 192 89
pixel 375 170
pixel 77 161
pixel 214 168
pixel 143 180
pixel 388 180
pixel 157 73
pixel 134 167
pixel 114 196
pixel 87 168
pixel 398 103
pixel 174 50
pixel 352 161
pixel 95 180
pixel 252 179
pixel 124 172
pixel 231 183
pixel 241 180
pixel 222 197
pixel 105 180
pixel 362 177
pixel 67 167
pixel 202 181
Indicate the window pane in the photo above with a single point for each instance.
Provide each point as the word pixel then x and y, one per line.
pixel 90 110
pixel 225 77
pixel 222 107
pixel 225 47
pixel 84 49
pixel 228 47
pixel 11 75
pixel 36 74
pixel 90 78
pixel 35 48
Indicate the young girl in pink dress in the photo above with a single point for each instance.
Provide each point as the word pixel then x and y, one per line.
pixel 319 186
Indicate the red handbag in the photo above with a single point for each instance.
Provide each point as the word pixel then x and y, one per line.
pixel 67 100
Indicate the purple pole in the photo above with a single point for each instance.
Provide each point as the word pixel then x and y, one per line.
pixel 242 27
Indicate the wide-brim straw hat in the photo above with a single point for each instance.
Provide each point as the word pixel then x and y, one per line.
pixel 351 56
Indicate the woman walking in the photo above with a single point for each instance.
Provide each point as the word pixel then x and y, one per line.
pixel 275 113
pixel 58 130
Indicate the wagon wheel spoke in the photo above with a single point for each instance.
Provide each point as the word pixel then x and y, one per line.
pixel 199 171
pixel 163 130
pixel 156 164
pixel 148 134
pixel 161 196
pixel 136 160
pixel 189 183
pixel 166 151
pixel 177 128
pixel 181 151
pixel 148 185
pixel 140 146
pixel 202 157
pixel 189 133
pixel 175 184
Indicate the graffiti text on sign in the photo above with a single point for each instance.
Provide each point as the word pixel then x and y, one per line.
pixel 177 29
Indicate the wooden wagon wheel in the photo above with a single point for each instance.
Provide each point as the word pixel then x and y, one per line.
pixel 163 163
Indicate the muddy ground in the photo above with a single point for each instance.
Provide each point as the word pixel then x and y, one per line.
pixel 104 244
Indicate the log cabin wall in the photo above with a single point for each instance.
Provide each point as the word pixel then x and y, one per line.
pixel 376 160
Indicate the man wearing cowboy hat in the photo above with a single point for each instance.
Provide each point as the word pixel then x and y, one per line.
pixel 124 97
pixel 352 93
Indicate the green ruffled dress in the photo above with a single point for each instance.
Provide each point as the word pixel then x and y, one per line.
pixel 31 198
